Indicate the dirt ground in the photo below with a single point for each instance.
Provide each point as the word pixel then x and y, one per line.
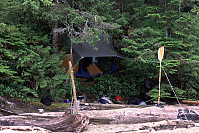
pixel 139 119
pixel 116 118
pixel 130 128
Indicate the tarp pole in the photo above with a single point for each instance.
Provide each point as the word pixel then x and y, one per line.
pixel 73 85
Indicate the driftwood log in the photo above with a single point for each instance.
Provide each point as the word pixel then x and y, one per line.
pixel 10 129
pixel 2 100
pixel 190 102
pixel 68 123
pixel 65 123
pixel 56 123
pixel 6 107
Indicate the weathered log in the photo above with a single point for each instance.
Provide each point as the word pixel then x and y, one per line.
pixel 68 123
pixel 9 129
pixel 5 107
pixel 7 112
pixel 65 123
pixel 2 100
pixel 190 102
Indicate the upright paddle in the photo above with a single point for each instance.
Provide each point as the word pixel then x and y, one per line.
pixel 160 57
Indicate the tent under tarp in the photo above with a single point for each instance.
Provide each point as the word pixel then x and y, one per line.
pixel 104 49
pixel 84 55
pixel 83 68
pixel 91 71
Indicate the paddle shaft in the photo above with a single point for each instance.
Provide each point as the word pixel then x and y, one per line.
pixel 159 84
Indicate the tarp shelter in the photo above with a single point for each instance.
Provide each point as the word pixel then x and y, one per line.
pixel 104 49
pixel 81 52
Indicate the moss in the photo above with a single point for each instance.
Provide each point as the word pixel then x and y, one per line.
pixel 53 106
pixel 33 106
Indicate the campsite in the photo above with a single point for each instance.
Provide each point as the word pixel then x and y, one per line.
pixel 99 66
pixel 99 118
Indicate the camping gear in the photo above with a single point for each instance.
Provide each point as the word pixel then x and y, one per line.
pixel 81 99
pixel 84 56
pixel 46 101
pixel 91 71
pixel 41 111
pixel 160 57
pixel 102 48
pixel 134 100
pixel 119 98
pixel 66 101
pixel 94 70
pixel 142 103
pixel 105 100
pixel 113 67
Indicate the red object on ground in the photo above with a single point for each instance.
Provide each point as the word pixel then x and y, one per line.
pixel 119 98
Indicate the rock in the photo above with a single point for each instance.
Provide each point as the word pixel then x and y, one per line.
pixel 187 115
pixel 151 130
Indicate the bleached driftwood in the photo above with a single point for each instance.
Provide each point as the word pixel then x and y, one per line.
pixel 12 129
pixel 68 123
pixel 65 123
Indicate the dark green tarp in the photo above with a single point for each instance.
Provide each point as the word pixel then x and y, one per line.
pixel 104 49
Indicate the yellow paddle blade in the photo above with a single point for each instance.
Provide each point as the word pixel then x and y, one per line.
pixel 160 53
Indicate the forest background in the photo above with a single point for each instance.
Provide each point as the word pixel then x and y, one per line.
pixel 35 34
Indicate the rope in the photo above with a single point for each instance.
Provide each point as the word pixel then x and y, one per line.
pixel 171 87
pixel 77 62
pixel 174 93
pixel 152 99
pixel 169 83
pixel 143 59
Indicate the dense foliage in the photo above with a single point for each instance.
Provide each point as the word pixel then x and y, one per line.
pixel 30 53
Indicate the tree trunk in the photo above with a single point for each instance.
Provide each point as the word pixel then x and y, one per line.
pixel 70 59
pixel 71 51
pixel 180 8
pixel 165 6
pixel 55 38
pixel 55 34
pixel 179 78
